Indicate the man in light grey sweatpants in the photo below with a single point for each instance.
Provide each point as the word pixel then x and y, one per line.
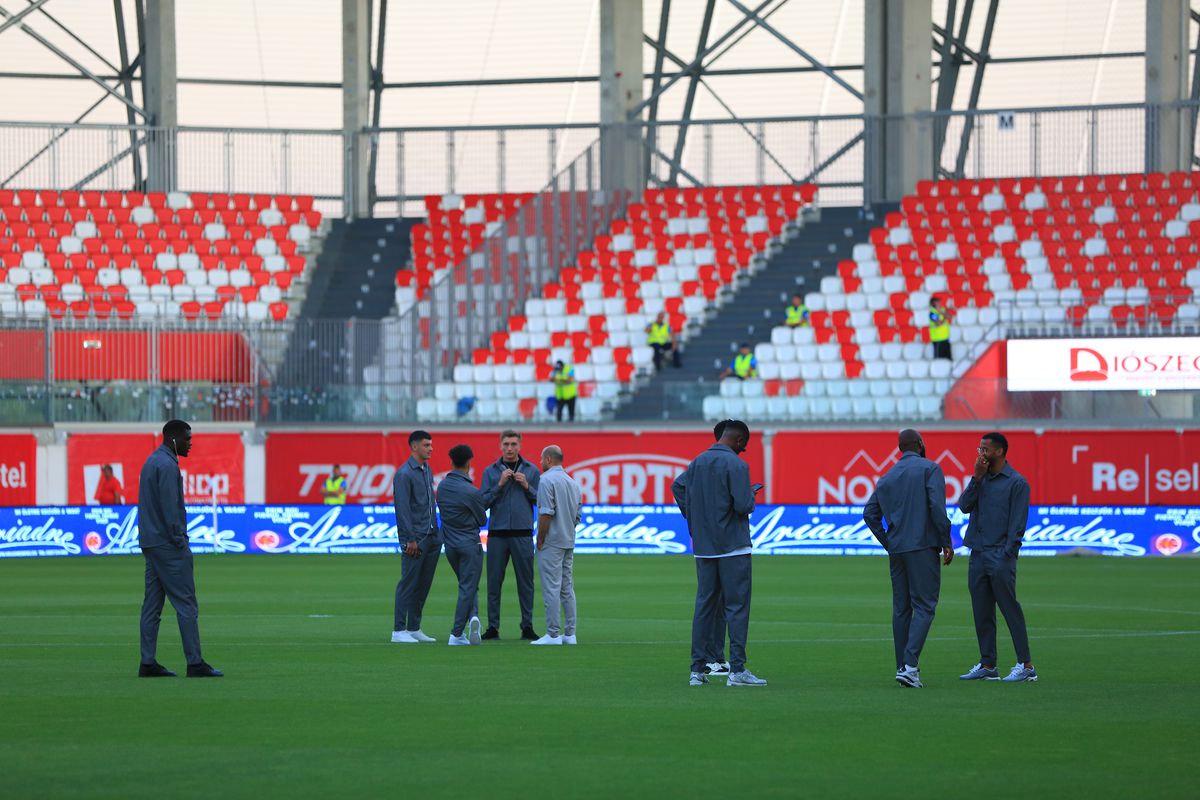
pixel 912 499
pixel 559 501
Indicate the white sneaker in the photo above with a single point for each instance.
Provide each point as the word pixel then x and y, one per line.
pixel 473 630
pixel 697 679
pixel 910 677
pixel 548 639
pixel 402 637
pixel 745 678
pixel 458 641
pixel 718 667
pixel 421 636
pixel 569 639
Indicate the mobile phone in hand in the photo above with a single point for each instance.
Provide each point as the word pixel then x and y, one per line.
pixel 756 487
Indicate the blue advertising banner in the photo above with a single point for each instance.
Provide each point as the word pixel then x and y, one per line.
pixel 651 529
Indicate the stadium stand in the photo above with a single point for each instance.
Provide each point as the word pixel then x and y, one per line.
pixel 1072 255
pixel 455 225
pixel 676 251
pixel 101 255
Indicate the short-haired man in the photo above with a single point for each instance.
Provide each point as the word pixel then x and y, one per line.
pixel 334 488
pixel 716 498
pixel 718 664
pixel 997 498
pixel 420 545
pixel 109 491
pixel 510 488
pixel 559 508
pixel 912 499
pixel 163 537
pixel 463 513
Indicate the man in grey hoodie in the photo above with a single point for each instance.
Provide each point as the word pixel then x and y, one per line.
pixel 716 497
pixel 163 537
pixel 510 487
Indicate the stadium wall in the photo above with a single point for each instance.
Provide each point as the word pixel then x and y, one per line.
pixel 627 466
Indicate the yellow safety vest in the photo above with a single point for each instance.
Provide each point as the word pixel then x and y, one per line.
pixel 660 333
pixel 795 314
pixel 334 485
pixel 939 326
pixel 564 383
pixel 743 365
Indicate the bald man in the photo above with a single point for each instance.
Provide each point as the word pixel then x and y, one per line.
pixel 559 500
pixel 911 498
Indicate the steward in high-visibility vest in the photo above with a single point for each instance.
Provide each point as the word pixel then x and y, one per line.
pixel 744 365
pixel 939 329
pixel 660 334
pixel 334 489
pixel 565 389
pixel 661 339
pixel 797 313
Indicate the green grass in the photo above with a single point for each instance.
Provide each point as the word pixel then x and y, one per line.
pixel 317 703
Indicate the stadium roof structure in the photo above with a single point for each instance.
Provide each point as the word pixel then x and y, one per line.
pixel 279 64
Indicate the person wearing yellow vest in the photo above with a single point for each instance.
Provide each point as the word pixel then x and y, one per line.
pixel 797 313
pixel 565 389
pixel 744 365
pixel 334 490
pixel 660 337
pixel 939 329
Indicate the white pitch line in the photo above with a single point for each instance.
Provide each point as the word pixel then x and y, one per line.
pixel 678 642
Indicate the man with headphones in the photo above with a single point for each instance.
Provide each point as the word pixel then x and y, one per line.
pixel 163 537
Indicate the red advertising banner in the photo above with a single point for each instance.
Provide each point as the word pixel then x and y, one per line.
pixel 1062 467
pixel 1120 468
pixel 612 468
pixel 18 469
pixel 216 464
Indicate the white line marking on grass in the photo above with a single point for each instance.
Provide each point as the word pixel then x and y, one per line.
pixel 679 642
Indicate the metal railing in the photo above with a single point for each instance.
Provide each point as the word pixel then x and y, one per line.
pixel 410 163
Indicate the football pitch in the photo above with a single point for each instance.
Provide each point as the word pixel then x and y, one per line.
pixel 318 703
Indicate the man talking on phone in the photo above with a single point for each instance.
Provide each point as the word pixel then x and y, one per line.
pixel 716 498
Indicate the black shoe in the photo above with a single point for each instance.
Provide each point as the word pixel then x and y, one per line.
pixel 203 670
pixel 154 670
pixel 490 633
pixel 529 633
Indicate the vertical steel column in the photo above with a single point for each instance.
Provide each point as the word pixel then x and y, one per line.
pixel 451 157
pixel 162 103
pixel 500 156
pixel 401 192
pixel 356 45
pixel 693 83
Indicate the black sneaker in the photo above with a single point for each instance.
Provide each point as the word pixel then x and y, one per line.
pixel 203 670
pixel 490 633
pixel 154 670
pixel 529 633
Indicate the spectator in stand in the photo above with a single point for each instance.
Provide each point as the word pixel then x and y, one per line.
pixel 664 340
pixel 939 329
pixel 565 389
pixel 797 313
pixel 109 491
pixel 744 364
